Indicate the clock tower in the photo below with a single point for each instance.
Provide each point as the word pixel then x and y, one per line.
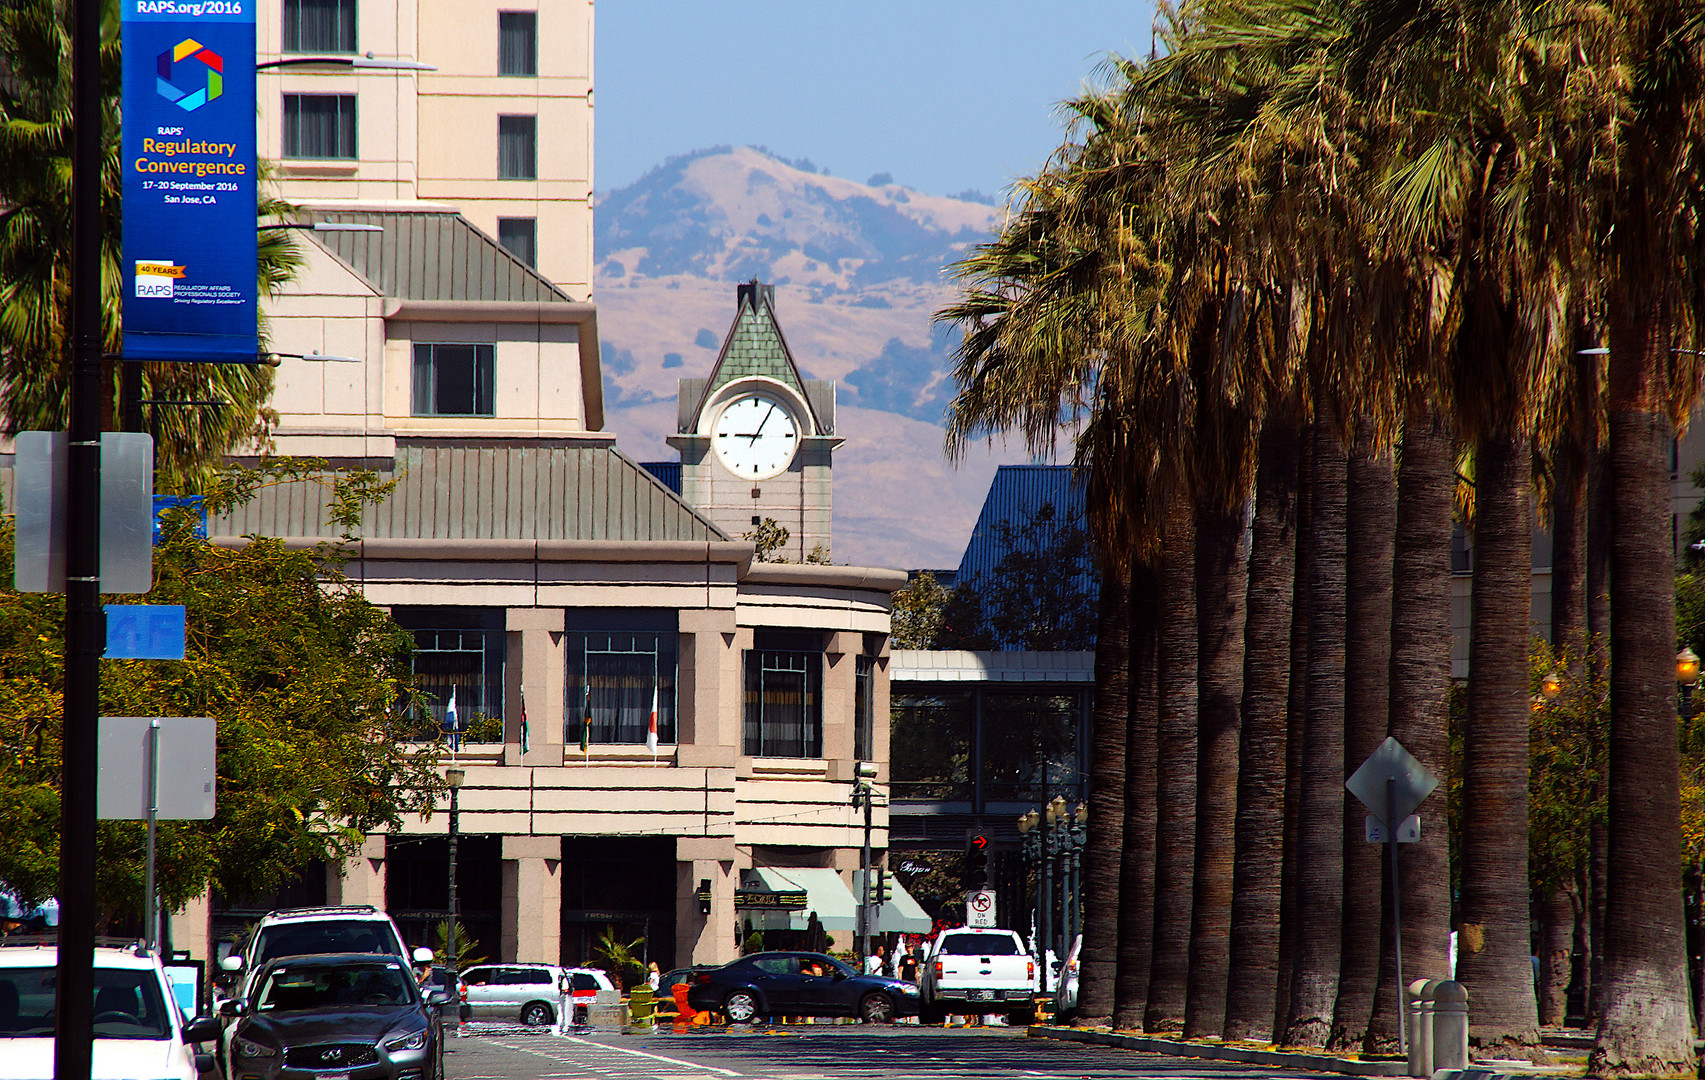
pixel 756 439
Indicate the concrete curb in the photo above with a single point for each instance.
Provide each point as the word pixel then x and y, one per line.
pixel 1281 1059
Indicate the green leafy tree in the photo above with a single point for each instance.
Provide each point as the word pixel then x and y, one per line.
pixel 310 685
pixel 915 618
pixel 620 958
pixel 1040 595
pixel 770 536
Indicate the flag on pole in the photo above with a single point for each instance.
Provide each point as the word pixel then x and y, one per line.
pixel 651 733
pixel 586 726
pixel 451 724
pixel 524 732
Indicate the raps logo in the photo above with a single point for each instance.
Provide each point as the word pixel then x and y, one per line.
pixel 172 61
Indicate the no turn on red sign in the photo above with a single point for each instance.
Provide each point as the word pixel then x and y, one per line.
pixel 980 907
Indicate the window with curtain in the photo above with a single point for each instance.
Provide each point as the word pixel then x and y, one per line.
pixel 319 126
pixel 452 379
pixel 319 26
pixel 520 237
pixel 466 663
pixel 621 676
pixel 517 43
pixel 864 708
pixel 783 715
pixel 517 147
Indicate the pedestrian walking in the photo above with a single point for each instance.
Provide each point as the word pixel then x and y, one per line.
pixel 873 964
pixel 653 977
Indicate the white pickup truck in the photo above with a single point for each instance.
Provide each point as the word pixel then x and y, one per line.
pixel 970 972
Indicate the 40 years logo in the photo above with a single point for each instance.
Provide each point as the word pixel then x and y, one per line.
pixel 172 67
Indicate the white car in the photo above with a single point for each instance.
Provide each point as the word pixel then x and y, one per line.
pixel 139 1031
pixel 354 928
pixel 530 993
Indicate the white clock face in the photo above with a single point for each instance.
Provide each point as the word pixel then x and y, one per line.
pixel 755 436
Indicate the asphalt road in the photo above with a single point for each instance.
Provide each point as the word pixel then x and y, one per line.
pixel 901 1052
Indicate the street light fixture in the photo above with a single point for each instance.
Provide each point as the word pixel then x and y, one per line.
pixel 1687 674
pixel 363 63
pixel 1551 686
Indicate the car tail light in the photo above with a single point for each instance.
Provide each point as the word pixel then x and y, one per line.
pixel 1030 970
pixel 938 969
pixel 701 977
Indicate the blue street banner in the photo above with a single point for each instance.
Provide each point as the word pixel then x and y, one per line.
pixel 189 181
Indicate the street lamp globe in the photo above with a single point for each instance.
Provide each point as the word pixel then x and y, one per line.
pixel 1030 820
pixel 455 777
pixel 1687 667
pixel 1024 823
pixel 1082 813
pixel 1551 685
pixel 1056 808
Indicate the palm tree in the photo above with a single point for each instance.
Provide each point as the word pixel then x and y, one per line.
pixel 1142 762
pixel 35 252
pixel 1104 852
pixel 1320 845
pixel 1296 725
pixel 1646 223
pixel 1371 519
pixel 1259 827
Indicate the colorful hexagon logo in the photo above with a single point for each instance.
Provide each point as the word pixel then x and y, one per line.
pixel 172 62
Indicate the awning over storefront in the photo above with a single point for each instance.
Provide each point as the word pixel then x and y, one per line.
pixel 902 914
pixel 825 894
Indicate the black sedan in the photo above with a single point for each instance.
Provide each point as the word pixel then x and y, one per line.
pixel 343 1016
pixel 798 984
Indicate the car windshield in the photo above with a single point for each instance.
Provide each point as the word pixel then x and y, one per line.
pixel 322 936
pixel 128 1003
pixel 979 945
pixel 294 987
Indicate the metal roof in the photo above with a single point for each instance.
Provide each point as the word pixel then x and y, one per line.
pixel 461 492
pixel 433 256
pixel 959 665
pixel 1015 495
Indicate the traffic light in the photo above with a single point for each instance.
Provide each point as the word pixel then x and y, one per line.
pixel 881 887
pixel 704 896
pixel 977 862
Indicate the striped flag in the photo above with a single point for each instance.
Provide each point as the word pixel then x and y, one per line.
pixel 451 724
pixel 586 726
pixel 524 732
pixel 651 733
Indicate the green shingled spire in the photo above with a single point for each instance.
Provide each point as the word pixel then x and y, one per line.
pixel 754 345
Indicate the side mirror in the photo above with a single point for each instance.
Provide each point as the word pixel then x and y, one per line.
pixel 234 962
pixel 234 1007
pixel 423 955
pixel 202 1029
pixel 437 996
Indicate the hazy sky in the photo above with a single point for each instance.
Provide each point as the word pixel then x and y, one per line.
pixel 943 94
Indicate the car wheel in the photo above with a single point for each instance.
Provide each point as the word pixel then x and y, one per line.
pixel 741 1007
pixel 538 1014
pixel 876 1009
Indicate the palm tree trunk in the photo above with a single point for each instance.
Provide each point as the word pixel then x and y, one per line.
pixel 1420 707
pixel 1136 874
pixel 1371 517
pixel 1644 1027
pixel 1556 938
pixel 1296 714
pixel 1175 824
pixel 1320 824
pixel 1103 854
pixel 1222 586
pixel 1493 944
pixel 1598 660
pixel 1261 771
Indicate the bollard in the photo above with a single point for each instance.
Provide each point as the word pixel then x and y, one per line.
pixel 1450 1026
pixel 1419 1024
pixel 640 1009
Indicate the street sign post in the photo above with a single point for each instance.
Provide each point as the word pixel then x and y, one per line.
pixel 154 767
pixel 1391 783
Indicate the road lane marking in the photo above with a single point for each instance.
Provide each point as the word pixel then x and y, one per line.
pixel 654 1057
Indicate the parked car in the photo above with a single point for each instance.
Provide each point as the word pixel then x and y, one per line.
pixel 527 992
pixel 353 928
pixel 445 978
pixel 973 971
pixel 1065 994
pixel 798 984
pixel 334 1015
pixel 138 1028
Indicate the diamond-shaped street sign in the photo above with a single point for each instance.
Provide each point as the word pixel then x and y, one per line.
pixel 1409 782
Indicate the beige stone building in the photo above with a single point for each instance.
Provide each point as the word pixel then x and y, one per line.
pixel 555 588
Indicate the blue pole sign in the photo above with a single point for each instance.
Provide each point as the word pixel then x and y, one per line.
pixel 189 181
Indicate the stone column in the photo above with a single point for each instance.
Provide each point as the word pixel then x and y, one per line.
pixel 701 938
pixel 192 927
pixel 840 663
pixel 535 668
pixel 360 880
pixel 708 688
pixel 532 899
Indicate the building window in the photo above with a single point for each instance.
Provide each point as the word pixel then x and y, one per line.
pixel 520 237
pixel 517 43
pixel 453 380
pixel 319 26
pixel 864 708
pixel 517 147
pixel 458 655
pixel 929 748
pixel 784 696
pixel 319 126
pixel 1030 748
pixel 619 679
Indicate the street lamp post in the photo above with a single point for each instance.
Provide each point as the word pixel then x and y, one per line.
pixel 1031 837
pixel 1076 833
pixel 864 780
pixel 1687 674
pixel 455 777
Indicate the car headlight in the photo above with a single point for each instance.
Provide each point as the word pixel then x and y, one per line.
pixel 245 1048
pixel 414 1040
pixel 908 988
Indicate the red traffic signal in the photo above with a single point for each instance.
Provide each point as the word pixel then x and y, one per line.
pixel 979 842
